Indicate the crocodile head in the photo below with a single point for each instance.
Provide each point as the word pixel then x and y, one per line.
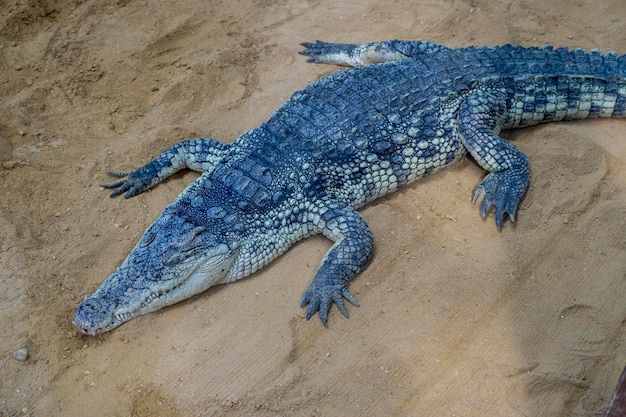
pixel 184 252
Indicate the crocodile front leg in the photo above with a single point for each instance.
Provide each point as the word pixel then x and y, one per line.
pixel 197 154
pixel 479 121
pixel 344 260
pixel 352 55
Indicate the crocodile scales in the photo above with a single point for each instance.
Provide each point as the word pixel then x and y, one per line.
pixel 405 110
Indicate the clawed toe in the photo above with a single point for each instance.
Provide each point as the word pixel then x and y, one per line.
pixel 320 300
pixel 503 192
pixel 131 184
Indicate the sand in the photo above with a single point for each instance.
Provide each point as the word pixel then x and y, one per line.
pixel 456 318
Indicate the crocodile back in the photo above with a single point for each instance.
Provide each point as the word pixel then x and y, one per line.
pixel 361 133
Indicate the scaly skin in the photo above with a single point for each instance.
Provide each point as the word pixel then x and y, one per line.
pixel 407 109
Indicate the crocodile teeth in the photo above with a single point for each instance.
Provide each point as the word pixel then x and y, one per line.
pixel 153 296
pixel 121 317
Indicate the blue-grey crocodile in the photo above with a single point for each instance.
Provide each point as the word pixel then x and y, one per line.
pixel 405 110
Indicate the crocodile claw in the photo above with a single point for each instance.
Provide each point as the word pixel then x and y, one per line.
pixel 316 51
pixel 320 299
pixel 502 191
pixel 320 52
pixel 132 184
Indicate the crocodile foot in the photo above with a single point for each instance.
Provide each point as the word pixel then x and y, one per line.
pixel 321 298
pixel 132 184
pixel 329 53
pixel 503 191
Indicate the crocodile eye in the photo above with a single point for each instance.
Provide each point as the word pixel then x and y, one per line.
pixel 189 242
pixel 180 251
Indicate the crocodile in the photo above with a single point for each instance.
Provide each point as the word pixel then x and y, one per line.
pixel 403 110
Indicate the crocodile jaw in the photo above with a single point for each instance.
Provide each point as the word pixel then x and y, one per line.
pixel 101 313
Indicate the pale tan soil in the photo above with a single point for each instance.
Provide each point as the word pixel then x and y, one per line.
pixel 457 319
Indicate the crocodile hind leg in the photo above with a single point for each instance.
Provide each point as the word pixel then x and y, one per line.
pixel 197 154
pixel 479 120
pixel 352 55
pixel 344 260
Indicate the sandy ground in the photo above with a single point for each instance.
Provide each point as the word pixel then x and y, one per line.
pixel 457 319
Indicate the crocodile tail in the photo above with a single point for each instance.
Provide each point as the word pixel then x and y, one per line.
pixel 549 85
